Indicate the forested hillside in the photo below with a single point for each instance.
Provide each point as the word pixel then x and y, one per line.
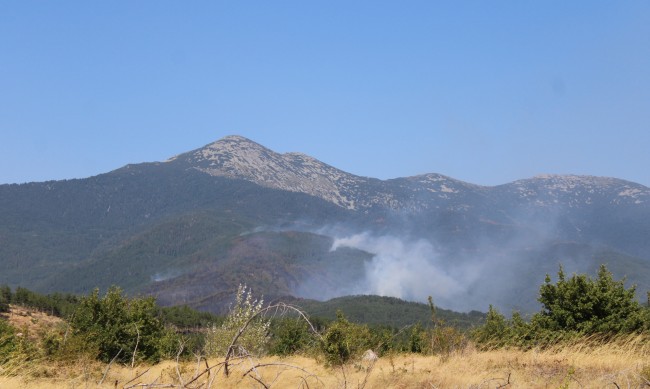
pixel 191 229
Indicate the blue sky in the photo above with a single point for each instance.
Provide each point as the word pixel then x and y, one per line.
pixel 483 91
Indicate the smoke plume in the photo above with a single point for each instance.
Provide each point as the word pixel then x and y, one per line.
pixel 411 270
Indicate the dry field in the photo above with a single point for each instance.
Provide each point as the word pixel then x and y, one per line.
pixel 623 364
pixel 30 319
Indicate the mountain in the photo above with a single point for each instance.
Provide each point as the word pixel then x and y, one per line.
pixel 239 158
pixel 191 228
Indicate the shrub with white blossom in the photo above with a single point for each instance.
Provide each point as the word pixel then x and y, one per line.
pixel 245 314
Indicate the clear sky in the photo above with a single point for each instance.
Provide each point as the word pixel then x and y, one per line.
pixel 483 91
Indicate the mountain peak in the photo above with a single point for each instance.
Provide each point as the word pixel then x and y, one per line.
pixel 581 189
pixel 238 140
pixel 572 179
pixel 238 157
pixel 235 138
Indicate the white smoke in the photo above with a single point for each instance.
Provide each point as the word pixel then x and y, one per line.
pixel 166 275
pixel 411 270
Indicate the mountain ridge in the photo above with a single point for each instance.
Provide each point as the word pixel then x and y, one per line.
pixel 238 157
pixel 191 228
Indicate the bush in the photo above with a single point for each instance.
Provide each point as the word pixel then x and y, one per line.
pixel 5 298
pixel 7 341
pixel 495 332
pixel 344 340
pixel 290 336
pixel 184 317
pixel 589 306
pixel 246 312
pixel 574 307
pixel 116 326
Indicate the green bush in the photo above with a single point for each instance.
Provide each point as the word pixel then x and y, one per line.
pixel 343 341
pixel 116 326
pixel 185 317
pixel 51 343
pixel 290 335
pixel 5 298
pixel 574 307
pixel 495 332
pixel 7 341
pixel 589 306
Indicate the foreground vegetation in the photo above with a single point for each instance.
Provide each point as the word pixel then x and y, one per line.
pixel 589 333
pixel 622 364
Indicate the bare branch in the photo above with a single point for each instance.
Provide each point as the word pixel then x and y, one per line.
pixel 279 364
pixel 260 381
pixel 138 376
pixel 108 367
pixel 135 349
pixel 178 372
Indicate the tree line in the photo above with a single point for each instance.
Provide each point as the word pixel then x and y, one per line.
pixel 115 327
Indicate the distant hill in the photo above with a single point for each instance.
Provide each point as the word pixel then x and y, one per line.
pixel 391 311
pixel 190 229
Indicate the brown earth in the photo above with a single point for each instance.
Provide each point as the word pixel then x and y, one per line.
pixel 30 321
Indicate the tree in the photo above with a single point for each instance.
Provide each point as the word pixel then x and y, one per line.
pixel 5 298
pixel 588 306
pixel 494 332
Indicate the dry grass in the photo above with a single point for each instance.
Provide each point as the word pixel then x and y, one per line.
pixel 30 320
pixel 623 363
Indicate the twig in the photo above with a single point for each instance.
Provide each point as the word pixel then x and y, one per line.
pixel 507 382
pixel 260 381
pixel 259 365
pixel 178 372
pixel 253 367
pixel 406 327
pixel 281 364
pixel 138 376
pixel 108 367
pixel 198 364
pixel 206 371
pixel 67 329
pixel 135 349
pixel 207 366
pixel 305 381
pixel 647 383
pixel 368 371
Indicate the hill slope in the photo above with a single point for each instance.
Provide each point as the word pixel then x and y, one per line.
pixel 192 228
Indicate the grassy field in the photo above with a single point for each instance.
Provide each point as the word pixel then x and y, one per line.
pixel 624 363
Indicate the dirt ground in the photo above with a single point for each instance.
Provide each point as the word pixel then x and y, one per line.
pixel 30 321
